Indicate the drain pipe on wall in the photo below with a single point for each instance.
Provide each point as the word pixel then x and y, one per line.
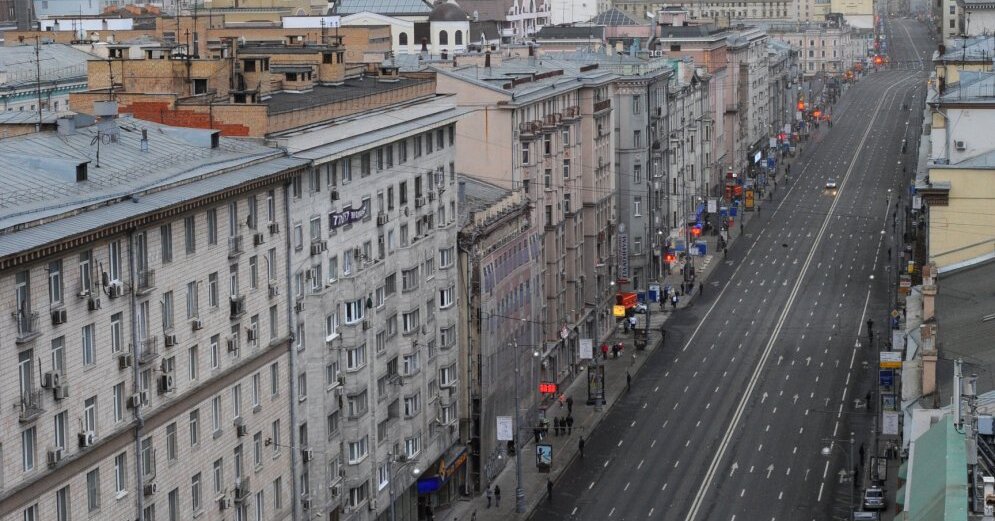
pixel 292 370
pixel 135 376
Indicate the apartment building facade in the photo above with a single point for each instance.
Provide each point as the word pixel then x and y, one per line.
pixel 558 124
pixel 690 176
pixel 823 48
pixel 147 350
pixel 373 264
pixel 501 302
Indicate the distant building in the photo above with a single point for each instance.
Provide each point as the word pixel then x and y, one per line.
pixel 823 48
pixel 622 32
pixel 62 69
pixel 505 21
pixel 573 11
pixel 570 38
pixel 415 25
pixel 976 17
pixel 858 14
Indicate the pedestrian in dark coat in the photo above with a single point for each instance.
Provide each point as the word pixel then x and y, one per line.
pixel 497 496
pixel 570 425
pixel 490 494
pixel 549 489
pixel 570 405
pixel 580 446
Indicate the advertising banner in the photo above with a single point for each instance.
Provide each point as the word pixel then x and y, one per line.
pixel 505 431
pixel 586 349
pixel 889 423
pixel 748 199
pixel 891 360
pixel 544 457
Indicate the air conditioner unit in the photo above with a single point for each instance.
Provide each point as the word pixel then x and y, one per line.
pixel 167 382
pixel 241 430
pixel 307 455
pixel 144 397
pixel 274 290
pixel 373 504
pixel 54 456
pixel 150 488
pixel 115 289
pixel 334 195
pixel 51 380
pixel 197 324
pixel 224 503
pixel 124 360
pixel 382 219
pixel 274 228
pixel 960 145
pixel 318 247
pixel 258 238
pixel 170 340
pixel 59 316
pixel 86 439
pixel 93 303
pixel 135 401
pixel 62 392
pixel 419 202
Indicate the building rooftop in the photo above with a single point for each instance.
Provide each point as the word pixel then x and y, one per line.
pixel 447 12
pixel 59 62
pixel 937 485
pixel 691 31
pixel 525 79
pixel 39 172
pixel 965 303
pixel 282 102
pixel 571 32
pixel 479 195
pixel 622 64
pixel 973 87
pixel 30 117
pixel 972 48
pixel 613 18
pixel 384 7
pixel 487 10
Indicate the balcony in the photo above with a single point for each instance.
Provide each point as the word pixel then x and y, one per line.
pixel 30 406
pixel 602 105
pixel 145 280
pixel 528 130
pixel 234 246
pixel 148 350
pixel 27 326
pixel 571 112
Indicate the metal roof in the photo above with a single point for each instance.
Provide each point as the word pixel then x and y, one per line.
pixel 937 486
pixel 38 171
pixel 30 117
pixel 571 32
pixel 59 62
pixel 498 77
pixel 323 94
pixel 972 48
pixel 479 195
pixel 384 7
pixel 973 86
pixel 963 301
pixel 613 18
pixel 622 64
pixel 487 10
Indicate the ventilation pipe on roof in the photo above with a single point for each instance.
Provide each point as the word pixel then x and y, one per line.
pixel 487 60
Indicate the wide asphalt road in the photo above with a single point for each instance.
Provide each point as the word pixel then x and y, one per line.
pixel 729 419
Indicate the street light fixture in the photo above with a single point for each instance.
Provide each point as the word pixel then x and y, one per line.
pixel 828 450
pixel 415 471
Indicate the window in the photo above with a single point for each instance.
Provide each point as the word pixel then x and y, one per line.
pixel 637 104
pixel 257 449
pixel 354 311
pixel 443 38
pixel 446 257
pixel 212 290
pixel 410 366
pixel 118 396
pixel 194 428
pixel 402 39
pixel 218 470
pixel 637 203
pixel 190 234
pixel 333 269
pixel 216 415
pixel 196 502
pixel 274 379
pixel 193 363
pixel 90 414
pixel 409 279
pixel 637 173
pixel 332 325
pixel 357 404
pixel 447 336
pixel 447 376
pixel 459 41
pixel 167 310
pixel 410 321
pixel 276 436
pixel 412 405
pixel 412 446
pixel 28 448
pixel 260 505
pixel 173 504
pixel 332 424
pixel 278 493
pixel 215 351
pixel 148 458
pixel 302 386
pixel 193 300
pixel 86 272
pixel 256 385
pixel 525 153
pixel 93 490
pixel 637 138
pixel 89 349
pixel 55 282
pixel 62 508
pixel 212 226
pixel 566 169
pixel 356 358
pixel 253 272
pixel 358 450
pixel 365 164
pixel 121 474
pixel 447 297
pixel 166 238
pixel 171 442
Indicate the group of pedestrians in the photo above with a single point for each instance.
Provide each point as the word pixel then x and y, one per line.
pixel 563 426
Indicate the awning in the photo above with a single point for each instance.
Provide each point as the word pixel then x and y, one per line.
pixel 900 496
pixel 437 476
pixel 903 470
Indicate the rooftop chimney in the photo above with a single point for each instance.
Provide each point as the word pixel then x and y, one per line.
pixel 487 59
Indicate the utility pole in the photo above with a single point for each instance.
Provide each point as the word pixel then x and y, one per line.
pixel 519 491
pixel 38 79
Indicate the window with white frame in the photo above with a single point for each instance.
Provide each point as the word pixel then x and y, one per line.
pixel 409 321
pixel 447 376
pixel 358 450
pixel 447 336
pixel 446 257
pixel 332 325
pixel 357 404
pixel 354 311
pixel 383 475
pixel 447 297
pixel 410 364
pixel 412 446
pixel 412 405
pixel 355 358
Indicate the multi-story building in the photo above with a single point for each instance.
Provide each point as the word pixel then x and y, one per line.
pixel 42 75
pixel 147 349
pixel 557 127
pixel 951 25
pixel 506 21
pixel 783 78
pixel 415 26
pixel 823 48
pixel 858 14
pixel 570 11
pixel 501 300
pixel 373 262
pixel 641 116
pixel 718 12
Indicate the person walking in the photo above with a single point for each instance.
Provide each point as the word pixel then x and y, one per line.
pixel 673 301
pixel 604 351
pixel 570 425
pixel 556 426
pixel 490 495
pixel 570 405
pixel 549 489
pixel 628 381
pixel 497 496
pixel 580 446
pixel 701 288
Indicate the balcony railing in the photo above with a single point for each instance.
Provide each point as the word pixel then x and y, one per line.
pixel 148 350
pixel 602 105
pixel 234 246
pixel 30 406
pixel 27 326
pixel 146 280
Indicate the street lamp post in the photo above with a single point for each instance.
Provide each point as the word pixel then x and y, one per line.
pixel 390 473
pixel 519 491
pixel 828 450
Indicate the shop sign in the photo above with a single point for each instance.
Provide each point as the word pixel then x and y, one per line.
pixel 623 254
pixel 505 429
pixel 447 471
pixel 891 360
pixel 585 349
pixel 618 311
pixel 348 215
pixel 547 387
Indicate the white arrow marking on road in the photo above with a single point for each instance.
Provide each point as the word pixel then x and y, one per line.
pixel 574 511
pixel 769 470
pixel 640 464
pixel 806 474
pixel 735 465
pixel 808 360
pixel 779 359
pixel 763 398
pixel 651 513
pixel 589 487
pixel 795 399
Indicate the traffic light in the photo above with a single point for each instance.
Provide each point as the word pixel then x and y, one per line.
pixel 801 105
pixel 816 113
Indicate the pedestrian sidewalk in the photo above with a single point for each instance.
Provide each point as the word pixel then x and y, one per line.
pixel 586 417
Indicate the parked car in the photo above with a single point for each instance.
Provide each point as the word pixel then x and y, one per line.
pixel 866 516
pixel 874 498
pixel 640 308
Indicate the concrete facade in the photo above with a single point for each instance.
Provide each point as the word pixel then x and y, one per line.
pixel 824 48
pixel 147 354
pixel 373 260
